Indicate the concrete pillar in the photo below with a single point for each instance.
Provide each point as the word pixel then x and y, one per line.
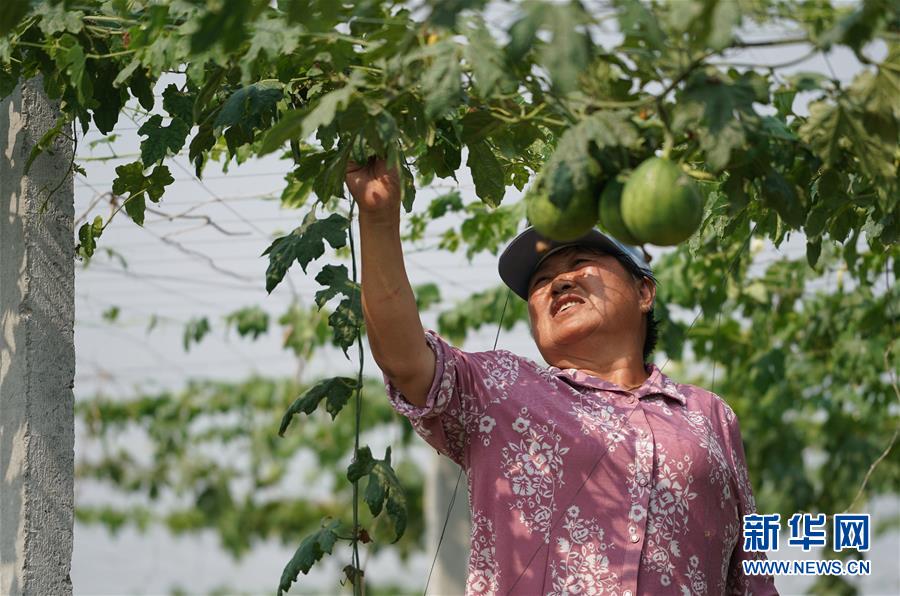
pixel 449 575
pixel 37 353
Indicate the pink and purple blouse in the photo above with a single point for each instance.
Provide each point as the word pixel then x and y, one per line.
pixel 578 486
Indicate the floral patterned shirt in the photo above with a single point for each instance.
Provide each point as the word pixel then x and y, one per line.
pixel 578 486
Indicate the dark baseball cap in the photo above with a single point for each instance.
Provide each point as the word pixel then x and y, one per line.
pixel 527 251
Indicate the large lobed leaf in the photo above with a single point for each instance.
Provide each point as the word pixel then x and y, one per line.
pixel 335 390
pixel 383 490
pixel 303 245
pixel 310 551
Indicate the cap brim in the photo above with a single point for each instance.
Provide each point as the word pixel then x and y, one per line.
pixel 525 252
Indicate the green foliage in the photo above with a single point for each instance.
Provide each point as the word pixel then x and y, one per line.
pixel 336 391
pixel 383 490
pixel 311 80
pixel 482 308
pixel 313 548
pixel 130 180
pixel 194 483
pixel 252 321
pixel 304 244
pixel 194 331
pixel 87 236
pixel 427 295
pixel 346 320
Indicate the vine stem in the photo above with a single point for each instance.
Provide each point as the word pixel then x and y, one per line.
pixel 358 589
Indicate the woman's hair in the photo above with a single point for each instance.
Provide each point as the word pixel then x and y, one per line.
pixel 652 334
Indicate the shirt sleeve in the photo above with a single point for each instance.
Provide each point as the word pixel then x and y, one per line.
pixel 740 583
pixel 457 393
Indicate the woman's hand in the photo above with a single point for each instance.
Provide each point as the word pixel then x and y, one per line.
pixel 374 188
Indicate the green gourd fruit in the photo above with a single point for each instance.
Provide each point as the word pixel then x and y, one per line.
pixel 611 212
pixel 660 203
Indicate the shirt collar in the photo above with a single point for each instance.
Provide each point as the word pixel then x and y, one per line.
pixel 656 383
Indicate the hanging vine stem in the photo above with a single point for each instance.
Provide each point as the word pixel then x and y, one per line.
pixel 357 579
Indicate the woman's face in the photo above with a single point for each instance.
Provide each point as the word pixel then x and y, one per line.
pixel 578 292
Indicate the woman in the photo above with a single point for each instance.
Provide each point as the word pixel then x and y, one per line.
pixel 595 475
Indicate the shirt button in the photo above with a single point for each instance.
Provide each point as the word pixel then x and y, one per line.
pixel 644 481
pixel 635 537
pixel 631 399
pixel 626 593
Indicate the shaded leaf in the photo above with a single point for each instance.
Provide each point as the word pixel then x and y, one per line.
pixel 488 61
pixel 304 244
pixel 442 82
pixel 301 123
pixel 310 551
pixel 346 323
pixel 873 141
pixel 335 280
pixel 87 236
pixel 427 295
pixel 161 140
pixel 130 180
pixel 194 331
pixel 252 321
pixel 383 491
pixel 486 173
pixel 335 390
pixel 567 54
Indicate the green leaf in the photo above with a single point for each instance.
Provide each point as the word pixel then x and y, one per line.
pixel 444 12
pixel 161 140
pixel 407 187
pixel 571 171
pixel 303 245
pixel 336 391
pixel 382 489
pixel 720 104
pixel 346 323
pixel 710 23
pixel 70 59
pixel 480 310
pixel 329 181
pixel 252 321
pixel 310 551
pixel 11 12
pixel 566 56
pixel 56 17
pixel 486 173
pixel 477 125
pixel 225 23
pixel 87 236
pixel 779 193
pixel 45 142
pixel 872 141
pixel 639 25
pixel 179 104
pixel 860 25
pixel 194 331
pixel 488 61
pixel 486 229
pixel 427 295
pixel 130 180
pixel 813 250
pixel 441 205
pixel 361 465
pixel 248 103
pixel 442 82
pixel 523 32
pixel 334 277
pixel 301 123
